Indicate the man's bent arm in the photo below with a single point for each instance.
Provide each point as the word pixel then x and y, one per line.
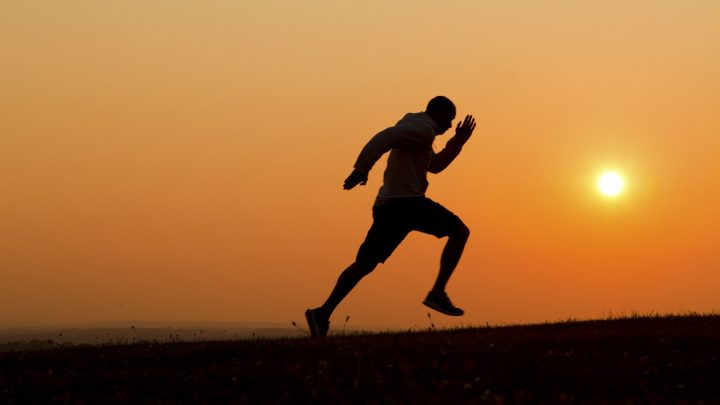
pixel 442 159
pixel 463 132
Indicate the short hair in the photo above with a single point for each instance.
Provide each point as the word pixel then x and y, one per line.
pixel 440 104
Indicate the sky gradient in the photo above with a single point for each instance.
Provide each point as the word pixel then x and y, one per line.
pixel 183 161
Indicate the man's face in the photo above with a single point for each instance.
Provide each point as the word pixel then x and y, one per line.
pixel 444 121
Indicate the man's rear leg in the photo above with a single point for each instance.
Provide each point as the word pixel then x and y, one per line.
pixel 348 279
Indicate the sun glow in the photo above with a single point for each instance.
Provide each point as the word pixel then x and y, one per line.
pixel 610 184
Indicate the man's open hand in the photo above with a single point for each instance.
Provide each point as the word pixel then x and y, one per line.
pixel 465 128
pixel 354 178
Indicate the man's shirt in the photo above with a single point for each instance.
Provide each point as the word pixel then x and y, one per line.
pixel 410 143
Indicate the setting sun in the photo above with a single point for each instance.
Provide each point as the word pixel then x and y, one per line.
pixel 610 184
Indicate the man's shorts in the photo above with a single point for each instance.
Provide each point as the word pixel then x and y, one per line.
pixel 394 219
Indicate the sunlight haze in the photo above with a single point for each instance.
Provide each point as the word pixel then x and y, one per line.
pixel 183 161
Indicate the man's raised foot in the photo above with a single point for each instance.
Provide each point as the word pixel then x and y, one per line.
pixel 440 302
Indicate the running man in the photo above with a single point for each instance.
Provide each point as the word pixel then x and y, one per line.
pixel 401 205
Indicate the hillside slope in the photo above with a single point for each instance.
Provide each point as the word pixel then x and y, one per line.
pixel 638 359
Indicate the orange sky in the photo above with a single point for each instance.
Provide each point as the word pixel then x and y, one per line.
pixel 182 161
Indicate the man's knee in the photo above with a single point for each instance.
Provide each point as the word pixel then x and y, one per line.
pixel 461 231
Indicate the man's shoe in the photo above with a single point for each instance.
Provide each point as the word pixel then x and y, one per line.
pixel 318 325
pixel 440 302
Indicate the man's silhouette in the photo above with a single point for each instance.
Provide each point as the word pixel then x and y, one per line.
pixel 401 205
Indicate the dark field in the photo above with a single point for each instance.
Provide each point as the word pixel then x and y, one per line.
pixel 634 360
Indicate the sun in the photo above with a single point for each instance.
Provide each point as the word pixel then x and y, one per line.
pixel 610 184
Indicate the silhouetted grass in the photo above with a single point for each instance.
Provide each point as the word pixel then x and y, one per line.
pixel 640 359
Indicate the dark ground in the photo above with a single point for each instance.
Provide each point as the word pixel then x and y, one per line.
pixel 634 360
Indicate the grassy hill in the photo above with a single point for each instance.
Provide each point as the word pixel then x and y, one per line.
pixel 640 359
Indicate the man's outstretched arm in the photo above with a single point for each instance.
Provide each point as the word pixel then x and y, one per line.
pixel 397 136
pixel 355 178
pixel 463 132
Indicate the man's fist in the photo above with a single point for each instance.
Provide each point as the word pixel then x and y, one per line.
pixel 354 178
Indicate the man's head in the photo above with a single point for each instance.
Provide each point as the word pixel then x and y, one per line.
pixel 442 111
